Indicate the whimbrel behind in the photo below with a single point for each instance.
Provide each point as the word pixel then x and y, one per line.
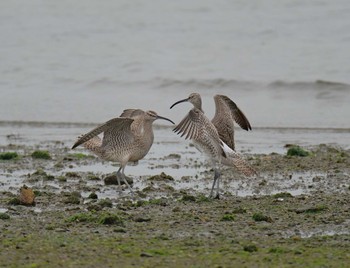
pixel 215 138
pixel 127 138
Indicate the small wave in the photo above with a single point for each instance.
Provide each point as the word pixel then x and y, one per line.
pixel 318 84
pixel 103 82
pixel 45 124
pixel 221 83
pixel 200 83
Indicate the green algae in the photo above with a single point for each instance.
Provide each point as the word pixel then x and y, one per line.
pixel 283 195
pixel 188 198
pixel 228 217
pixel 261 217
pixel 312 210
pixel 104 218
pixel 250 248
pixel 39 154
pixel 4 216
pixel 80 156
pixel 93 195
pixel 161 177
pixel 154 201
pixel 199 198
pixel 110 219
pixel 72 198
pixel 297 151
pixel 14 201
pixel 105 203
pixel 8 156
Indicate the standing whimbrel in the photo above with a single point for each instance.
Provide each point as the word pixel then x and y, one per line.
pixel 127 138
pixel 215 138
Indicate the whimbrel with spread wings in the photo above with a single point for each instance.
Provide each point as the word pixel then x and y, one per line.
pixel 215 138
pixel 127 138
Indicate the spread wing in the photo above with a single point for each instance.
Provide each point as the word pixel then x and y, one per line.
pixel 131 113
pixel 197 127
pixel 226 132
pixel 236 113
pixel 112 126
pixel 190 126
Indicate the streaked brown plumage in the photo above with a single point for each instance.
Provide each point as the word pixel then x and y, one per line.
pixel 127 138
pixel 215 138
pixel 226 113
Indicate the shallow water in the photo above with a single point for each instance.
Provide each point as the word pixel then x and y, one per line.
pixel 259 140
pixel 169 154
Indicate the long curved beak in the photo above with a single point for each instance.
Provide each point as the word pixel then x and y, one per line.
pixel 178 102
pixel 164 118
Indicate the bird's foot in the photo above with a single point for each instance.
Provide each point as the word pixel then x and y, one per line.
pixel 216 196
pixel 119 178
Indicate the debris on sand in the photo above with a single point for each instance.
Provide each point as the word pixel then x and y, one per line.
pixel 26 196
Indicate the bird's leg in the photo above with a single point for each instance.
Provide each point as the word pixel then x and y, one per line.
pixel 216 178
pixel 119 175
pixel 125 181
pixel 212 188
pixel 217 173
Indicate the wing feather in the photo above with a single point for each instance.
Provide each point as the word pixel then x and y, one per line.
pixel 115 123
pixel 188 126
pixel 121 129
pixel 199 129
pixel 236 113
pixel 190 132
pixel 131 113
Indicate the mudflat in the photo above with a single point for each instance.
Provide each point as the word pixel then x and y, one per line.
pixel 296 212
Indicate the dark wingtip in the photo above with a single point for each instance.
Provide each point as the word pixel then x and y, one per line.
pixel 76 145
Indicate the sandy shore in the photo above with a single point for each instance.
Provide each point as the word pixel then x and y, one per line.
pixel 295 212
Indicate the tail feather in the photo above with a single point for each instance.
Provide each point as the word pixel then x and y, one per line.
pixel 235 160
pixel 93 145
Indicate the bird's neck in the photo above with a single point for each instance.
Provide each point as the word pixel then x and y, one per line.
pixel 198 105
pixel 148 135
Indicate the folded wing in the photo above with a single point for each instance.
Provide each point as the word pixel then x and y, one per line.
pixel 109 128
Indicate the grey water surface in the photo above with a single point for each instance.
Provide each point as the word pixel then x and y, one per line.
pixel 285 63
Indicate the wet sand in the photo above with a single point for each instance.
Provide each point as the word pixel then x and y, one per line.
pixel 294 213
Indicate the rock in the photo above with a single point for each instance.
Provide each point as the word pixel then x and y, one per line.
pixel 112 180
pixel 93 195
pixel 161 177
pixel 142 219
pixel 316 179
pixel 145 254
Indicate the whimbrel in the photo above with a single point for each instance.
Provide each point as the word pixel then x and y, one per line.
pixel 215 138
pixel 127 138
